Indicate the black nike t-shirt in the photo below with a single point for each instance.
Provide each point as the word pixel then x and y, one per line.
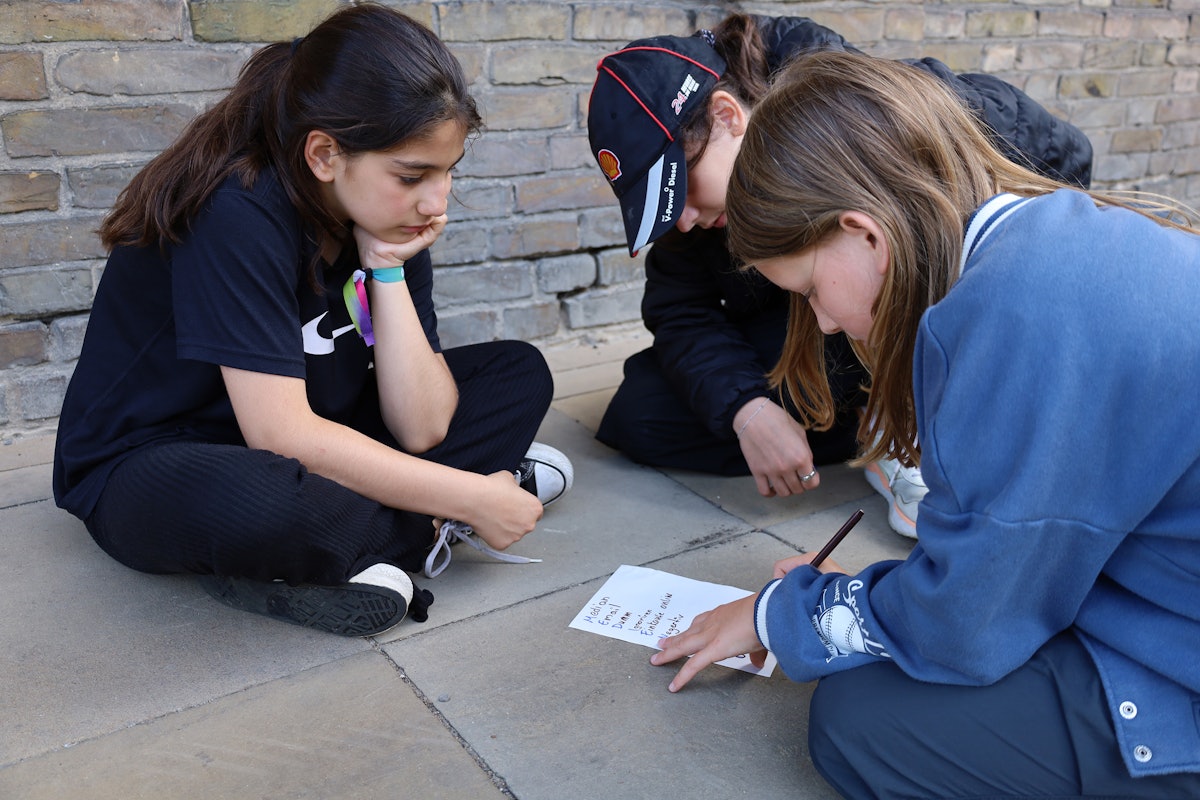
pixel 234 293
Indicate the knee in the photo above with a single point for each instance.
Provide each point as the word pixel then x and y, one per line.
pixel 510 363
pixel 528 361
pixel 637 415
pixel 860 734
pixel 629 425
pixel 825 737
pixel 838 737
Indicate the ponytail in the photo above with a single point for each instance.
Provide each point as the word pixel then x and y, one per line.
pixel 739 41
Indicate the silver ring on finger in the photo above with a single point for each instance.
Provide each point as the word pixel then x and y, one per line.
pixel 808 477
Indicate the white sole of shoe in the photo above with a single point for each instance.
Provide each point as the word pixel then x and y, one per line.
pixel 897 519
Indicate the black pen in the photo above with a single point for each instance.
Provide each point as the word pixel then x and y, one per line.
pixel 837 538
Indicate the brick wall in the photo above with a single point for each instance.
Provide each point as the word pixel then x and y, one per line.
pixel 91 89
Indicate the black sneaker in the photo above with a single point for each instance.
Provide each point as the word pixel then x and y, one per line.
pixel 370 603
pixel 545 473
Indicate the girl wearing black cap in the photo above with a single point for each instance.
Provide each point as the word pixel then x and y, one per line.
pixel 699 398
pixel 261 397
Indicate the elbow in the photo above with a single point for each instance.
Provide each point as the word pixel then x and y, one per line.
pixel 276 440
pixel 418 439
pixel 417 432
pixel 416 444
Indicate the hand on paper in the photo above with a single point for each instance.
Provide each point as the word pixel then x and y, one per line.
pixel 776 449
pixel 723 632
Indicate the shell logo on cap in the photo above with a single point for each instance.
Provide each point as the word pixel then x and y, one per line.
pixel 610 165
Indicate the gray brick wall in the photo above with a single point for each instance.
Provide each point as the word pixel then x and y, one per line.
pixel 90 90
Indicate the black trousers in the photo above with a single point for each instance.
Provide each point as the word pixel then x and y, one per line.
pixel 650 421
pixel 1042 731
pixel 228 510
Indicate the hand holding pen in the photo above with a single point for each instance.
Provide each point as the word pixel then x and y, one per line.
pixel 729 629
pixel 788 564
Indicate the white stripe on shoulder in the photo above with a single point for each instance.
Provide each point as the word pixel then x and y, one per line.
pixel 985 219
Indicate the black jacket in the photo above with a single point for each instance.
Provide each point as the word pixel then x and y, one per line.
pixel 698 305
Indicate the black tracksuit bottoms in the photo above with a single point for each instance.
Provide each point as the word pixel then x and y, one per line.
pixel 649 420
pixel 196 507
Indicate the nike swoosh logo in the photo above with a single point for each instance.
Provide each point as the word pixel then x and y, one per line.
pixel 316 343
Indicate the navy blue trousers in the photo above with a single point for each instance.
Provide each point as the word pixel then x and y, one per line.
pixel 648 419
pixel 1043 731
pixel 228 510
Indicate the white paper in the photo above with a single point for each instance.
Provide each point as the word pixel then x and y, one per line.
pixel 642 605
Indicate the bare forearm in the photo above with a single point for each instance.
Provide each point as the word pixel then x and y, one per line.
pixel 377 471
pixel 417 393
pixel 273 414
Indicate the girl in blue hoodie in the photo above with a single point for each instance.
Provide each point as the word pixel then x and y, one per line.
pixel 1023 338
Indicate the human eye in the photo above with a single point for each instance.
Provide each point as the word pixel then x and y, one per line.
pixel 410 180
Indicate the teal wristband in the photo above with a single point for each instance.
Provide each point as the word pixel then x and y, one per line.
pixel 388 275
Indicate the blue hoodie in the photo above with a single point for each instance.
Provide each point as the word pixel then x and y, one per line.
pixel 1059 418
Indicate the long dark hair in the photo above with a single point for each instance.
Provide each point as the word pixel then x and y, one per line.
pixel 368 76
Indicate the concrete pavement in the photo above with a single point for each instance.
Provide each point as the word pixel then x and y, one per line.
pixel 115 684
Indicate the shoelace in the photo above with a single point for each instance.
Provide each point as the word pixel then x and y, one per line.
pixel 453 531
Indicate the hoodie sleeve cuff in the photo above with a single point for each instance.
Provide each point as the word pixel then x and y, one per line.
pixel 760 613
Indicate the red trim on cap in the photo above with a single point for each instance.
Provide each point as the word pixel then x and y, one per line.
pixel 670 52
pixel 633 94
pixel 637 100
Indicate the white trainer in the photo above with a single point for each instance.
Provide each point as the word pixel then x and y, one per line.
pixel 903 487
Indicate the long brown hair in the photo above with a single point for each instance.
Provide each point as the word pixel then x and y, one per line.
pixel 843 131
pixel 368 76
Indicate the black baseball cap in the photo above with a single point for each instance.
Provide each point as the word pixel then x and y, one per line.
pixel 643 93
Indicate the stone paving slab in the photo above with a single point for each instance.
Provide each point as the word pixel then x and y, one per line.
pixel 559 713
pixel 91 647
pixel 25 485
pixel 350 729
pixel 739 496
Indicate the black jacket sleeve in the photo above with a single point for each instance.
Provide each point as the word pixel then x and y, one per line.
pixel 1022 129
pixel 698 306
pixel 784 37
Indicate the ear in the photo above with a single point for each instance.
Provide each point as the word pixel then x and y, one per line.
pixel 869 234
pixel 319 150
pixel 727 112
